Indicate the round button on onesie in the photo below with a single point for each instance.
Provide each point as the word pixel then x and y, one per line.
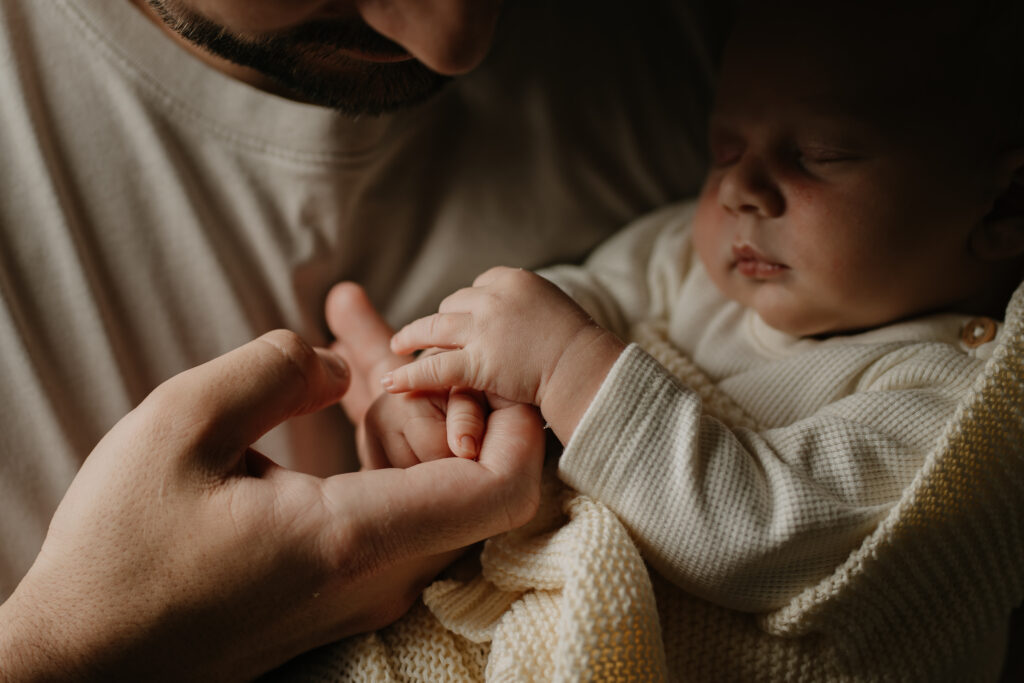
pixel 978 331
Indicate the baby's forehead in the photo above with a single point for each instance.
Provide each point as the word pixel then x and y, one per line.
pixel 837 60
pixel 846 43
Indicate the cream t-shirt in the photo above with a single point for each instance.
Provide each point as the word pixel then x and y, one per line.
pixel 155 213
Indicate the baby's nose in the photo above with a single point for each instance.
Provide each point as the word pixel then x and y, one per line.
pixel 748 188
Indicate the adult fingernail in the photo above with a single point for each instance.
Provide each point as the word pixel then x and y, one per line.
pixel 468 445
pixel 335 365
pixel 387 381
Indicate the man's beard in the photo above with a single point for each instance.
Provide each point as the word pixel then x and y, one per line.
pixel 307 61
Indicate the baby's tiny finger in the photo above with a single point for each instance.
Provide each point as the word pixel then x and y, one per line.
pixel 465 423
pixel 441 330
pixel 440 371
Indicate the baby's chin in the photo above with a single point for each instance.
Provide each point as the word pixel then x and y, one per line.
pixel 787 308
pixel 804 324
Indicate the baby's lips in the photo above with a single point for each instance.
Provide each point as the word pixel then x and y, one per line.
pixel 761 270
pixel 751 262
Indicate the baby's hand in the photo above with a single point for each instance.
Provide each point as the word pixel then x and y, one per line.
pixel 507 335
pixel 403 430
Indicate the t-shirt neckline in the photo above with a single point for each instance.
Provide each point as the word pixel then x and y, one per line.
pixel 196 93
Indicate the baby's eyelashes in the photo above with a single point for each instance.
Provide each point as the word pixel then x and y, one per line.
pixel 724 155
pixel 825 161
pixel 814 155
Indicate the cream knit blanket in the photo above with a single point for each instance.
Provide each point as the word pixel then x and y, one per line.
pixel 568 597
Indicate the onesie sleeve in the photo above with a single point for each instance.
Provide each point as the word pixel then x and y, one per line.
pixel 747 519
pixel 634 275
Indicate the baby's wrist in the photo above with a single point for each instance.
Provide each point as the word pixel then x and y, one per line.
pixel 564 396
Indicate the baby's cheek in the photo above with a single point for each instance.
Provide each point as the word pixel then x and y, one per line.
pixel 713 245
pixel 708 232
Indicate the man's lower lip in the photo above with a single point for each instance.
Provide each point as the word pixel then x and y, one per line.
pixel 760 270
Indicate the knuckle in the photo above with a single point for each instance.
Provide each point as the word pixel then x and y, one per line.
pixel 434 371
pixel 474 369
pixel 467 425
pixel 484 276
pixel 164 398
pixel 524 282
pixel 450 302
pixel 162 406
pixel 515 276
pixel 521 498
pixel 296 351
pixel 468 415
pixel 175 413
pixel 522 503
pixel 434 326
pixel 301 364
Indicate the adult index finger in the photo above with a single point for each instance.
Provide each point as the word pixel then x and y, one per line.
pixel 234 399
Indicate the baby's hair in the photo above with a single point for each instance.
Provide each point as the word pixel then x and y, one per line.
pixel 963 56
pixel 984 56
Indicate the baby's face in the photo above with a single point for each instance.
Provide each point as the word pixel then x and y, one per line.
pixel 839 197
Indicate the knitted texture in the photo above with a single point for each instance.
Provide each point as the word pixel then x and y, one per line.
pixel 941 573
pixel 925 597
pixel 565 598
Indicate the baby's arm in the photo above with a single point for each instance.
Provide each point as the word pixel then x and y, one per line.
pixel 516 336
pixel 749 518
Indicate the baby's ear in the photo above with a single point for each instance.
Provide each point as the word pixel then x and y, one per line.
pixel 1000 235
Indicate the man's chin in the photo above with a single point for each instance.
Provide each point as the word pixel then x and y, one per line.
pixel 317 63
pixel 373 90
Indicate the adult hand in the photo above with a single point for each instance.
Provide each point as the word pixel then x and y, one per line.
pixel 180 553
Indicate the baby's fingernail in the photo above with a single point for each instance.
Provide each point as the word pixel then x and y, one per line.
pixel 387 381
pixel 468 445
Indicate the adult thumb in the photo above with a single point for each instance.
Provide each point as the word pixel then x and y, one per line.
pixel 444 504
pixel 232 400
